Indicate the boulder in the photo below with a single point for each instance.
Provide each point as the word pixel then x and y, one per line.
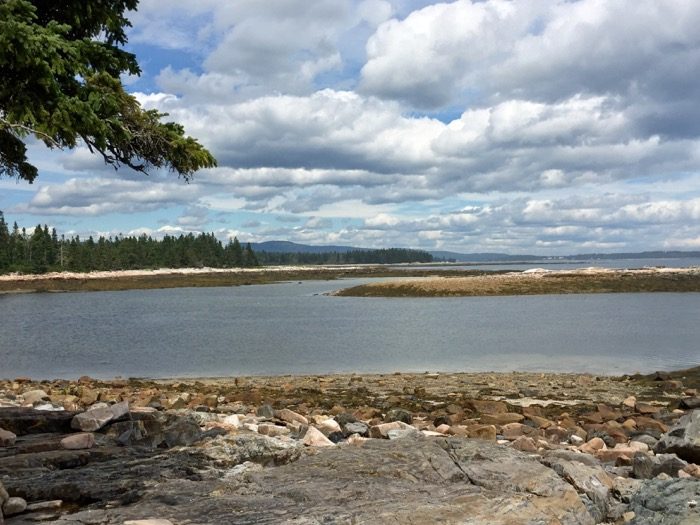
pixel 7 438
pixel 683 439
pixel 382 430
pixel 399 414
pixel 265 411
pixel 484 432
pixel 78 441
pixel 97 417
pixel 355 427
pixel 268 429
pixel 525 444
pixel 647 467
pixel 14 506
pixel 35 396
pixel 315 438
pixel 290 416
pixel 690 403
pixel 666 501
pixel 512 431
pixel 592 446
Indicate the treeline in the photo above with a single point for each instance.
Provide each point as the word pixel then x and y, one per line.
pixel 383 256
pixel 43 251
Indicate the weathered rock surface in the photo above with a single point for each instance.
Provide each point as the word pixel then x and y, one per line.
pixel 21 421
pixel 461 481
pixel 218 452
pixel 683 439
pixel 669 502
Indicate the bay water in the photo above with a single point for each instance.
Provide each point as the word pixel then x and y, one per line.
pixel 292 328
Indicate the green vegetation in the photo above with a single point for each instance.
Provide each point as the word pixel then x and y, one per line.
pixel 43 251
pixel 383 256
pixel 60 65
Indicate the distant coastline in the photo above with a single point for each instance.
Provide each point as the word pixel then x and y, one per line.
pixel 536 282
pixel 406 282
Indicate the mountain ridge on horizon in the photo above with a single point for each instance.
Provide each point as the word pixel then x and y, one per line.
pixel 293 247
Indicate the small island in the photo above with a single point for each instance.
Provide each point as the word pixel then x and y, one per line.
pixel 535 282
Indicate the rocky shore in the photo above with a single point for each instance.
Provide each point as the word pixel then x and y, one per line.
pixel 517 448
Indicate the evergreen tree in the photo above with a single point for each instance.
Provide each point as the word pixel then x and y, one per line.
pixel 249 258
pixel 60 65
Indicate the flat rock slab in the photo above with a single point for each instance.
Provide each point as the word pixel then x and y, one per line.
pixel 23 421
pixel 411 480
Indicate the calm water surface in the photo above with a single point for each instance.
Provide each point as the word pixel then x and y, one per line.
pixel 289 329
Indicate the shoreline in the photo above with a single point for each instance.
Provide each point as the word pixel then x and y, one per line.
pixel 574 449
pixel 537 281
pixel 200 277
pixel 411 282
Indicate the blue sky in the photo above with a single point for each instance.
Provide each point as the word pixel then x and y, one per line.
pixel 523 126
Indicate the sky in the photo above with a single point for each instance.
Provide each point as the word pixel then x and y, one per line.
pixel 547 127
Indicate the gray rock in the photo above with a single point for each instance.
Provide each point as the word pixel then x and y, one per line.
pixel 265 411
pixel 400 433
pixel 647 467
pixel 666 502
pixel 145 433
pixel 14 506
pixel 625 488
pixel 97 417
pixel 402 481
pixel 356 427
pixel 683 439
pixel 399 414
pixel 4 496
pixel 7 438
pixel 230 450
pixel 345 418
pixel 648 440
pixel 182 431
pixel 690 402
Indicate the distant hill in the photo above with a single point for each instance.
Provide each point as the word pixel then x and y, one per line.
pixel 481 257
pixel 293 247
pixel 441 255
